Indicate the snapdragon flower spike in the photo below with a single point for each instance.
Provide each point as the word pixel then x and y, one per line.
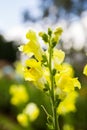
pixel 48 72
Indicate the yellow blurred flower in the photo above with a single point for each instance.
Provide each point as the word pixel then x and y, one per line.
pixel 22 118
pixel 85 70
pixel 32 111
pixel 68 127
pixel 19 94
pixel 68 104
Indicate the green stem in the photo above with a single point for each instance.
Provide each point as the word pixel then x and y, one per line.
pixel 55 117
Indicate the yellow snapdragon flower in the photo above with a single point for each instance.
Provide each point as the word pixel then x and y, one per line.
pixel 58 57
pixel 58 31
pixel 67 69
pixel 32 47
pixel 40 83
pixel 31 35
pixel 68 104
pixel 66 83
pixel 32 70
pixel 56 34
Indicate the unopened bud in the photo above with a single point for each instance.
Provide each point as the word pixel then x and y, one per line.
pixel 44 36
pixel 58 31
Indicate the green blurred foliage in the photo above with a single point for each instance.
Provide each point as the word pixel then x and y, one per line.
pixel 78 119
pixel 8 50
pixel 35 95
pixel 8 124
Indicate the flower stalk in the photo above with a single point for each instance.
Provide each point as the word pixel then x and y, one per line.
pixel 52 96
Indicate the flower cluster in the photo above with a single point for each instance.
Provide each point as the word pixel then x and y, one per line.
pixel 45 68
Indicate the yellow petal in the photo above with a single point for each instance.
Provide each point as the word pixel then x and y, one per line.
pixel 31 35
pixel 33 70
pixel 22 119
pixel 58 57
pixel 85 70
pixel 68 104
pixel 32 111
pixel 76 83
pixel 19 94
pixel 67 69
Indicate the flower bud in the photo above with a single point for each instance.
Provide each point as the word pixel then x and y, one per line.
pixel 58 31
pixel 49 31
pixel 44 36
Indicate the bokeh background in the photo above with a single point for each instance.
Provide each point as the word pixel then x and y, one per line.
pixel 16 18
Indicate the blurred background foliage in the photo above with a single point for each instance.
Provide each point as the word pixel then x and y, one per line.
pixel 50 11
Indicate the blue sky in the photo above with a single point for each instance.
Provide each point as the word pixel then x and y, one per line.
pixel 11 21
pixel 11 12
